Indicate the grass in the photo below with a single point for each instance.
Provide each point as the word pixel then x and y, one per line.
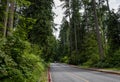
pixel 114 69
pixel 43 77
pixel 83 66
pixel 111 69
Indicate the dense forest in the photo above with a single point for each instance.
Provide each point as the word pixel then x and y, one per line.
pixel 27 44
pixel 26 39
pixel 90 34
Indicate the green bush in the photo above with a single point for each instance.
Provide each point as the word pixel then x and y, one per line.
pixel 114 59
pixel 92 60
pixel 111 61
pixel 19 62
pixel 74 58
pixel 65 59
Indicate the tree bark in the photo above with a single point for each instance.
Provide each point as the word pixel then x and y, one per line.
pixel 75 32
pixel 86 18
pixel 108 6
pixel 6 19
pixel 100 45
pixel 11 17
pixel 70 43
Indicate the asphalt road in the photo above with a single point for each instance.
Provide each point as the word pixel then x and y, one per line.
pixel 66 73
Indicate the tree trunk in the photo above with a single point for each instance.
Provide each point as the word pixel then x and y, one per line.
pixel 6 19
pixel 86 18
pixel 100 45
pixel 11 17
pixel 70 36
pixel 75 32
pixel 108 6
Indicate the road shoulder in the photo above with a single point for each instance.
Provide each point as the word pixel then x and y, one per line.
pixel 99 70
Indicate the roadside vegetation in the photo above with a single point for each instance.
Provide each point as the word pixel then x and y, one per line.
pixel 26 40
pixel 90 34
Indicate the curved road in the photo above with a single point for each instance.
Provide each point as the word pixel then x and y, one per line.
pixel 66 73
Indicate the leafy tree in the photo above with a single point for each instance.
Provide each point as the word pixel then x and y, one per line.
pixel 28 40
pixel 93 37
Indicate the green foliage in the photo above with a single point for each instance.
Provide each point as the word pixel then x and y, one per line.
pixel 92 60
pixel 2 14
pixel 21 3
pixel 24 26
pixel 111 61
pixel 113 32
pixel 18 61
pixel 23 53
pixel 114 59
pixel 78 40
pixel 65 59
pixel 74 58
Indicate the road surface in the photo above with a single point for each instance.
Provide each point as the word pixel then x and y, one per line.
pixel 66 73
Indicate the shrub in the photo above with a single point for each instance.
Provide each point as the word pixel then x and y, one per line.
pixel 19 62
